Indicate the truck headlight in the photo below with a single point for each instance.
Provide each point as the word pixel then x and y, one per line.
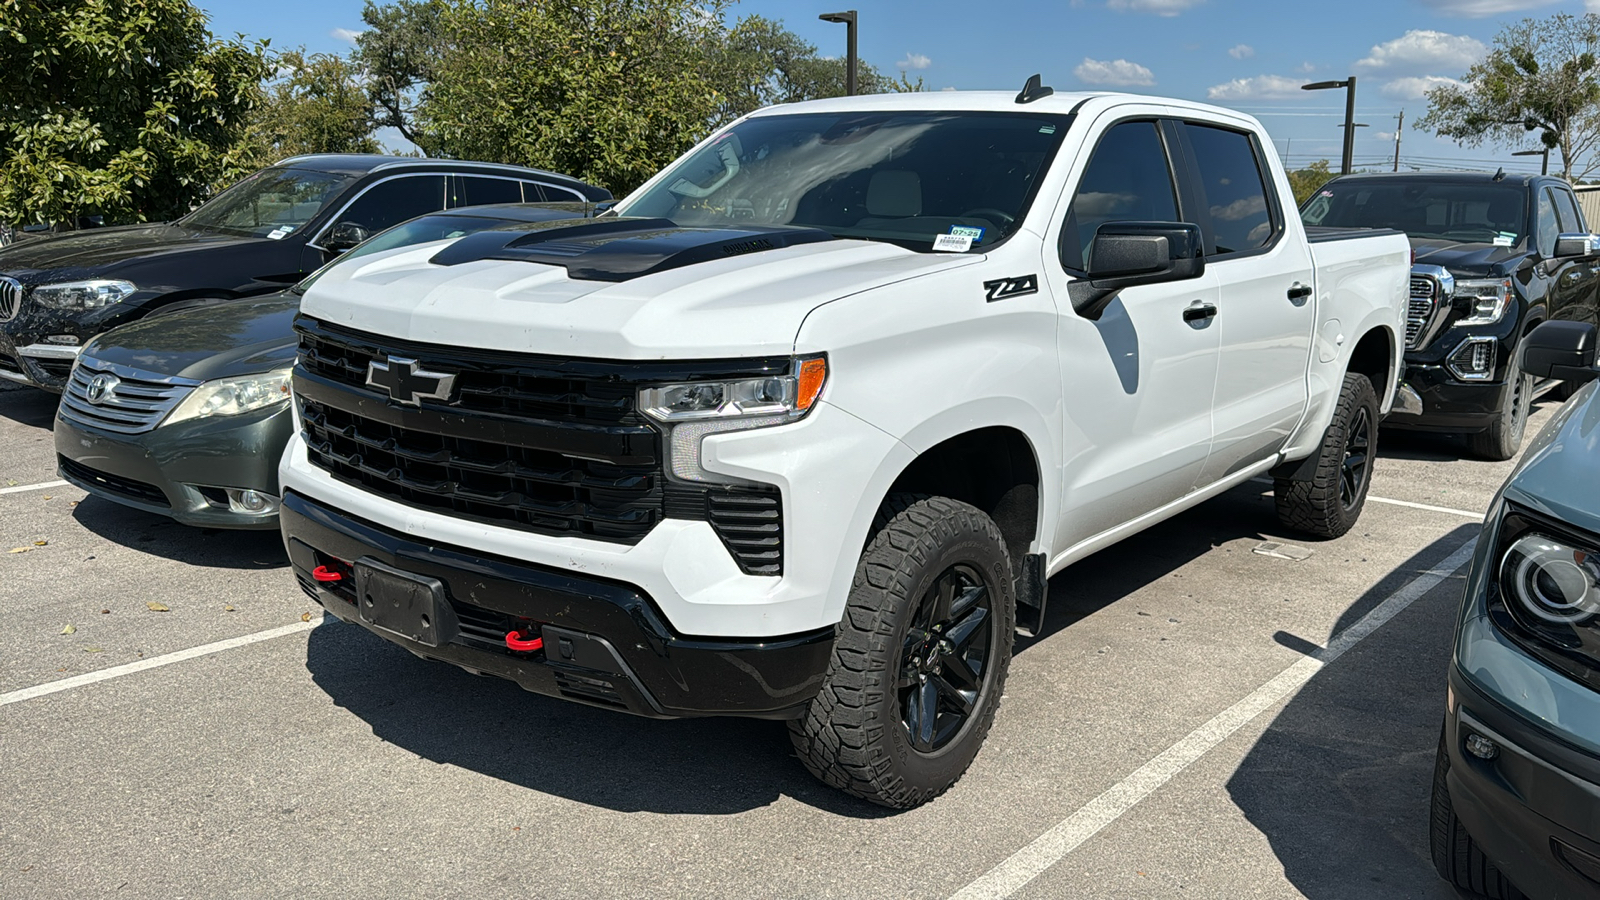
pixel 1490 298
pixel 233 396
pixel 92 294
pixel 692 410
pixel 1556 582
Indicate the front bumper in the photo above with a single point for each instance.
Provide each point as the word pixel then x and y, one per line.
pixel 163 470
pixel 38 365
pixel 606 643
pixel 1443 403
pixel 1534 808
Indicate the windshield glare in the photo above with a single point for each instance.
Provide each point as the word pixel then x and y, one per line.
pixel 1467 212
pixel 272 203
pixel 964 179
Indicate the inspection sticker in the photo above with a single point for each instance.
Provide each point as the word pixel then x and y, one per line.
pixel 971 231
pixel 278 234
pixel 953 243
pixel 1501 240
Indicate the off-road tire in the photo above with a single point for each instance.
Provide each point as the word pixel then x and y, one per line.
pixel 1316 506
pixel 1455 855
pixel 853 737
pixel 1503 438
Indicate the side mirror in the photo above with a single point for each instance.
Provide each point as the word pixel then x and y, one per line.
pixel 1575 244
pixel 343 236
pixel 1128 254
pixel 1562 350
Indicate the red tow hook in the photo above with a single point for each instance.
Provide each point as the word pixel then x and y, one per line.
pixel 516 640
pixel 323 573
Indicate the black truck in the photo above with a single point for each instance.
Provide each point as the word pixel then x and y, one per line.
pixel 260 235
pixel 1494 255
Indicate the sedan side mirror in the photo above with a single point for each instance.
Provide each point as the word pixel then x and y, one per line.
pixel 1561 350
pixel 1575 244
pixel 343 236
pixel 1128 254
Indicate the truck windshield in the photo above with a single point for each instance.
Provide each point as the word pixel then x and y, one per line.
pixel 963 180
pixel 271 203
pixel 1474 212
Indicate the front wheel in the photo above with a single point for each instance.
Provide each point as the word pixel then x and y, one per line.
pixel 919 659
pixel 1329 504
pixel 1456 856
pixel 1503 438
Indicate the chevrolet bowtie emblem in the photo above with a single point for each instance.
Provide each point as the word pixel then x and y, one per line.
pixel 408 383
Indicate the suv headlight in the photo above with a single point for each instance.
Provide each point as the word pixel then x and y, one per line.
pixel 233 396
pixel 1490 298
pixel 692 410
pixel 1546 593
pixel 92 294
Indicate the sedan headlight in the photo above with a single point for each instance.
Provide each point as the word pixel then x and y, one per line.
pixel 690 411
pixel 233 396
pixel 1490 298
pixel 92 294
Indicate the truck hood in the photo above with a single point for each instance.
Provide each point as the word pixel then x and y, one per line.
pixel 238 337
pixel 748 304
pixel 97 251
pixel 1470 258
pixel 1556 476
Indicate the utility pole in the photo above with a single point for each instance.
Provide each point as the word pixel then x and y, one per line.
pixel 1397 132
pixel 848 18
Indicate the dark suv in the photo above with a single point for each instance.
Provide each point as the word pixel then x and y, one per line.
pixel 1495 255
pixel 260 235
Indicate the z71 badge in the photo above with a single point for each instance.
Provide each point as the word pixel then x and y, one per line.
pixel 1001 288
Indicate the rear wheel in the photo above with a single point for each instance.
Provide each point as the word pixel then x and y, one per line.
pixel 1455 855
pixel 919 660
pixel 1330 503
pixel 1503 438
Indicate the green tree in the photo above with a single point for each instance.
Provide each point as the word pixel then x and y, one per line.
pixel 1541 75
pixel 124 108
pixel 762 63
pixel 1306 181
pixel 400 51
pixel 315 104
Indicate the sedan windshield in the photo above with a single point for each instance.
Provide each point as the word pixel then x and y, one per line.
pixel 1461 211
pixel 961 180
pixel 272 203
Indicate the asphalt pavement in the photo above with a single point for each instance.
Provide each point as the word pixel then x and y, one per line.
pixel 177 720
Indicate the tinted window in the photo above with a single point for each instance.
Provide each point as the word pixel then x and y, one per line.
pixel 270 202
pixel 1235 194
pixel 1481 211
pixel 473 191
pixel 388 203
pixel 1545 221
pixel 1127 180
pixel 1567 212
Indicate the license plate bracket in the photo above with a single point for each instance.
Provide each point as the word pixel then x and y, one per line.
pixel 403 603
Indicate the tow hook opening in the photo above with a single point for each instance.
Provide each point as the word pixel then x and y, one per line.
pixel 524 640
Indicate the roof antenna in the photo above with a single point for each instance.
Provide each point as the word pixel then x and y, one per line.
pixel 1499 173
pixel 1034 90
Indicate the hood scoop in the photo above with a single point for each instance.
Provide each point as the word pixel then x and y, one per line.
pixel 623 249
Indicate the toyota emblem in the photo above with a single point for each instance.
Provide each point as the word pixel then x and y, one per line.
pixel 102 389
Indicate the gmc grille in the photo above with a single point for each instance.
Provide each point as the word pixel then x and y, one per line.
pixel 1424 310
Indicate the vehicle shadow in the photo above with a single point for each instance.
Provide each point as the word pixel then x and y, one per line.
pixel 27 405
pixel 158 535
pixel 1339 782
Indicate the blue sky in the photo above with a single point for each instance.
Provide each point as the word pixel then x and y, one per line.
pixel 1247 54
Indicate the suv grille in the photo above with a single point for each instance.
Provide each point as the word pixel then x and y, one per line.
pixel 129 401
pixel 10 298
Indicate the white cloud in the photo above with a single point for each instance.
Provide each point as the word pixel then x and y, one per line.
pixel 1261 87
pixel 1414 88
pixel 1245 51
pixel 950 88
pixel 914 61
pixel 1306 68
pixel 1478 9
pixel 344 34
pixel 1420 51
pixel 1158 7
pixel 1116 72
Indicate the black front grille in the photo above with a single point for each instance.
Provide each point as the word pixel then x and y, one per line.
pixel 114 484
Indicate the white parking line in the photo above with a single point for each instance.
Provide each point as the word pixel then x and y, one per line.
pixel 1067 835
pixel 1442 509
pixel 32 487
pixel 67 684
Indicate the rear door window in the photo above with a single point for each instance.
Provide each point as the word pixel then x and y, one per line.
pixel 1127 180
pixel 388 203
pixel 473 190
pixel 1233 189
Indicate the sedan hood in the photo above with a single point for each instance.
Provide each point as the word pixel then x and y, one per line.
pixel 1557 473
pixel 684 303
pixel 1469 258
pixel 97 251
pixel 239 337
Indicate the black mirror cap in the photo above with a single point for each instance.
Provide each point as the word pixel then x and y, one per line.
pixel 1128 254
pixel 1561 350
pixel 343 236
pixel 1575 244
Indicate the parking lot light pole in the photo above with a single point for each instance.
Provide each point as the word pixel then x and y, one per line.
pixel 848 17
pixel 1544 168
pixel 1349 84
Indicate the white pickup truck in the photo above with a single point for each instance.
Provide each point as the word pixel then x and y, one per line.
pixel 802 431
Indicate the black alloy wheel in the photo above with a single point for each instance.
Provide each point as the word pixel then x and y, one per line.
pixel 1357 464
pixel 1328 503
pixel 944 658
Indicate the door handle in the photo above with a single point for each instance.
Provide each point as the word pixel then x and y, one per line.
pixel 1299 292
pixel 1199 311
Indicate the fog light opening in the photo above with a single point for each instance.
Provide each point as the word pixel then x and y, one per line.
pixel 252 503
pixel 1474 360
pixel 1482 747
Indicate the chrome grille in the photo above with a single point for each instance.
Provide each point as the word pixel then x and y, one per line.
pixel 135 402
pixel 1418 310
pixel 10 298
pixel 1428 304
